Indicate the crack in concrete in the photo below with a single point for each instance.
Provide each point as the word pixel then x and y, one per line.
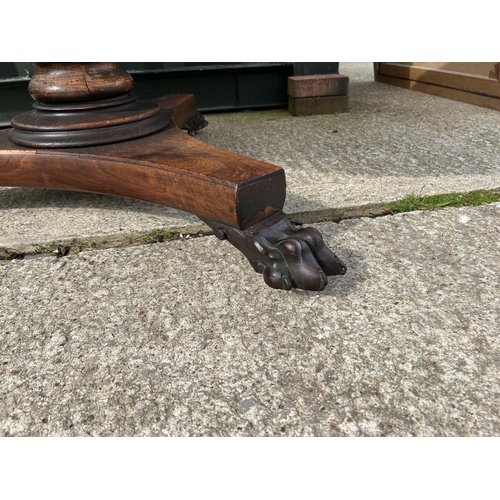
pixel 62 248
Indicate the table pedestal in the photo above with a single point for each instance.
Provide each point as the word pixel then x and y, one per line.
pixel 88 132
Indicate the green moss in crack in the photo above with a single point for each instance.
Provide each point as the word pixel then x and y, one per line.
pixel 158 236
pixel 413 202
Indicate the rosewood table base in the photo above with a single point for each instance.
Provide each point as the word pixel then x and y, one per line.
pixel 239 197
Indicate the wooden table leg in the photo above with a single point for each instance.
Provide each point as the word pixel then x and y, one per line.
pixel 120 146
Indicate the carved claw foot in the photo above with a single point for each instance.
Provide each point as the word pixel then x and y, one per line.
pixel 195 123
pixel 287 256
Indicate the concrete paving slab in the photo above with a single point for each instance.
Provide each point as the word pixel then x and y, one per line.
pixel 393 142
pixel 30 218
pixel 183 338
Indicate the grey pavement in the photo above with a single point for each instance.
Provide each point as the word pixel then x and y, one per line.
pixel 183 338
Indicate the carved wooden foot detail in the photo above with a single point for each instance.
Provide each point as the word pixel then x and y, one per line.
pixel 195 123
pixel 287 256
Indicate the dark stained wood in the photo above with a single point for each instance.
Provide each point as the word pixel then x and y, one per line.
pixel 182 107
pixel 75 82
pixel 288 256
pixel 101 117
pixel 84 104
pixel 169 168
pixel 88 128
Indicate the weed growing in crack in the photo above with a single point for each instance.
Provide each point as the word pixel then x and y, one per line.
pixel 158 236
pixel 412 202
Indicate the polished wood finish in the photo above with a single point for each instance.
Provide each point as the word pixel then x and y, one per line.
pixel 77 82
pixel 55 126
pixel 108 144
pixel 84 104
pixel 169 168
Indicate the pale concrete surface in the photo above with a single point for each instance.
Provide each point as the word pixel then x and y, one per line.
pixel 393 142
pixel 183 338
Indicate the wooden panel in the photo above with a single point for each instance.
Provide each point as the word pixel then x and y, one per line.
pixel 479 89
pixel 452 79
pixel 457 95
pixel 472 68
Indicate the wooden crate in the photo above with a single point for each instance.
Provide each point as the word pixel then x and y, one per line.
pixel 471 82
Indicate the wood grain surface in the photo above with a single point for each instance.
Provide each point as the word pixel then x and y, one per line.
pixel 478 84
pixel 74 82
pixel 169 168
